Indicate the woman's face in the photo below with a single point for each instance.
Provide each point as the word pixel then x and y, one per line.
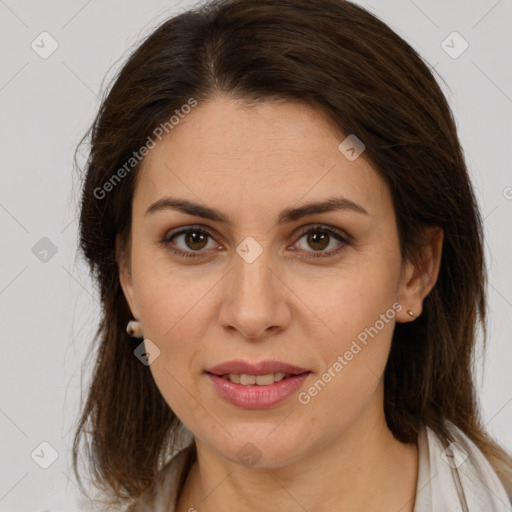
pixel 250 286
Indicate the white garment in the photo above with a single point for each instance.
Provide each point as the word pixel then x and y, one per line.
pixel 457 478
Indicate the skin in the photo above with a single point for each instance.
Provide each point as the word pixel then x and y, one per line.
pixel 336 452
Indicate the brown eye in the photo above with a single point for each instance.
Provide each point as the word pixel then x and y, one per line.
pixel 318 241
pixel 319 238
pixel 188 241
pixel 195 240
pixel 192 242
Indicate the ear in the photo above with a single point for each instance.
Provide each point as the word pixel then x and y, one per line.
pixel 125 276
pixel 420 276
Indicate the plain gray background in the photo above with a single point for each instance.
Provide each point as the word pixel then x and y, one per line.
pixel 48 305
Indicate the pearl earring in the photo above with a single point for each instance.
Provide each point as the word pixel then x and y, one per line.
pixel 134 329
pixel 411 313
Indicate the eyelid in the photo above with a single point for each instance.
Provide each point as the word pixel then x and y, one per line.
pixel 329 229
pixel 343 238
pixel 212 233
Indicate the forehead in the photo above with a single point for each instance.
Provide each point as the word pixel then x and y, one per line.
pixel 225 152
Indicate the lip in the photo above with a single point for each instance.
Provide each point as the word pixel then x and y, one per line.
pixel 261 368
pixel 255 396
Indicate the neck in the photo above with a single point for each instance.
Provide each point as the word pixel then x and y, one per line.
pixel 366 468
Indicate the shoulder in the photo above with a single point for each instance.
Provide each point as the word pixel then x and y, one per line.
pixel 161 496
pixel 456 473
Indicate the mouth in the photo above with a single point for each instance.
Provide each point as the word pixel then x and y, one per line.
pixel 258 380
pixel 260 369
pixel 256 385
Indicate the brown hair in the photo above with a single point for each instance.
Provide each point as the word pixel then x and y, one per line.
pixel 346 63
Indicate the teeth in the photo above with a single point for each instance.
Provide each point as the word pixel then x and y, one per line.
pixel 247 379
pixel 260 380
pixel 265 380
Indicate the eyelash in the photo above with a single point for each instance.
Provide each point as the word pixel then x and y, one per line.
pixel 166 242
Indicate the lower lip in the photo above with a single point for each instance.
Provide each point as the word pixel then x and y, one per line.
pixel 254 396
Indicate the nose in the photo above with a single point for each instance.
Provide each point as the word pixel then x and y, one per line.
pixel 254 298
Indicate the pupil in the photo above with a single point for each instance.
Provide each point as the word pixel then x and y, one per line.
pixel 313 240
pixel 192 238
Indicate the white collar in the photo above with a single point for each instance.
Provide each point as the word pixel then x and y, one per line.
pixel 456 477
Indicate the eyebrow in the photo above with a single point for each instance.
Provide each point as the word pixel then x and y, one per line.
pixel 287 215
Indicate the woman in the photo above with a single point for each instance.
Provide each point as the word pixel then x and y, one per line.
pixel 279 217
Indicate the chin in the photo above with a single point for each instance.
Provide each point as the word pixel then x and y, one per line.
pixel 261 450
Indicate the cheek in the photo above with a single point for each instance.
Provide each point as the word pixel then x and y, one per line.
pixel 170 305
pixel 169 295
pixel 348 299
pixel 357 308
pixel 175 319
pixel 346 386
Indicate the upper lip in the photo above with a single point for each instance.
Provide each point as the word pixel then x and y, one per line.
pixel 261 368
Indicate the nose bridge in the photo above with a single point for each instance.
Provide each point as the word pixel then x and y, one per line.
pixel 253 304
pixel 252 279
